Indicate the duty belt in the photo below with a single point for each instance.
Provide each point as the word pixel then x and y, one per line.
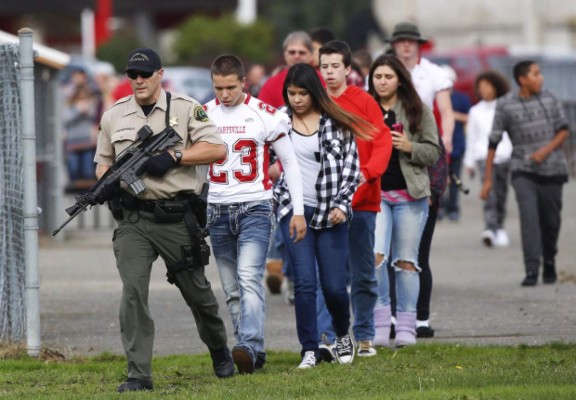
pixel 133 203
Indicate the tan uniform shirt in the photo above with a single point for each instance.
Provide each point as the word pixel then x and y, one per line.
pixel 119 127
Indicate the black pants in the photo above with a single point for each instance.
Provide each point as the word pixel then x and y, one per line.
pixel 423 305
pixel 540 207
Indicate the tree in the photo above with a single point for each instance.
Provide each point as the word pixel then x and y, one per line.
pixel 348 19
pixel 201 39
pixel 116 50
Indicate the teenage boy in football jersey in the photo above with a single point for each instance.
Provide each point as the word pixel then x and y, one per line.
pixel 240 213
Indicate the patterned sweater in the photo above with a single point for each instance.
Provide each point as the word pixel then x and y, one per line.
pixel 531 124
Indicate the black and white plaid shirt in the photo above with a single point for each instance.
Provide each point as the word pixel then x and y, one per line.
pixel 337 180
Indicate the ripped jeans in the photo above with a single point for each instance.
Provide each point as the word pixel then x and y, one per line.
pixel 399 228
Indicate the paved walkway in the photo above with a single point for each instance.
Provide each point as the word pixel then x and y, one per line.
pixel 477 298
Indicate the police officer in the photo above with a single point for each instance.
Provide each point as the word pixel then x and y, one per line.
pixel 158 220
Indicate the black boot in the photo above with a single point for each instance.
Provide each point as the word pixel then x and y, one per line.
pixel 222 362
pixel 549 274
pixel 134 384
pixel 530 280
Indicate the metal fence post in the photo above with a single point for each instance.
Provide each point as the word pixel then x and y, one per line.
pixel 31 209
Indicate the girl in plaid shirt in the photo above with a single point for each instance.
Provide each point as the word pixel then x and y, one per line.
pixel 323 138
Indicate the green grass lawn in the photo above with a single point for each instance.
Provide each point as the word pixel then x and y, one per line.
pixel 424 371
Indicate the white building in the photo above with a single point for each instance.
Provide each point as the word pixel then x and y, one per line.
pixel 524 26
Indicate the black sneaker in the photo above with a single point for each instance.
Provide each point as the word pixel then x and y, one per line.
pixel 222 362
pixel 424 332
pixel 326 352
pixel 530 280
pixel 134 384
pixel 244 359
pixel 260 361
pixel 549 273
pixel 392 331
pixel 344 349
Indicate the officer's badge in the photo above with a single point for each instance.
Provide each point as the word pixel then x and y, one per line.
pixel 173 121
pixel 200 114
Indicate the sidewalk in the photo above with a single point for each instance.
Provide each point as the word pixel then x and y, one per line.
pixel 477 297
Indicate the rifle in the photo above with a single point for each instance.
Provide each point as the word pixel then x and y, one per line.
pixel 125 169
pixel 458 183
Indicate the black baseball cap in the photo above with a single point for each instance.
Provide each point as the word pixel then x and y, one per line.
pixel 143 59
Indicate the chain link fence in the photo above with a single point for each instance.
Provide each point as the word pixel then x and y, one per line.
pixel 12 263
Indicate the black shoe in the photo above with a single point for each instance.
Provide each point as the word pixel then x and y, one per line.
pixel 244 359
pixel 549 274
pixel 133 384
pixel 392 331
pixel 222 362
pixel 530 280
pixel 424 332
pixel 260 361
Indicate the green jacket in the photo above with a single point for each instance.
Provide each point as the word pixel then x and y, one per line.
pixel 425 151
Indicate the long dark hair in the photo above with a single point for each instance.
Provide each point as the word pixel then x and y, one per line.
pixel 305 76
pixel 406 92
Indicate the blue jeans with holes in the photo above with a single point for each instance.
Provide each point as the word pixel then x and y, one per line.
pixel 399 228
pixel 240 234
pixel 326 248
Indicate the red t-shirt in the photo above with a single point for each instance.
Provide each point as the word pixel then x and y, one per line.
pixel 271 92
pixel 375 153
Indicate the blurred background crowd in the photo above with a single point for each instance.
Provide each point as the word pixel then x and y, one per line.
pixel 90 39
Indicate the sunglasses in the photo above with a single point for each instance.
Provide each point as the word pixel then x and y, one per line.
pixel 299 52
pixel 132 74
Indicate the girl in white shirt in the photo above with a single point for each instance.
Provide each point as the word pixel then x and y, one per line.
pixel 489 85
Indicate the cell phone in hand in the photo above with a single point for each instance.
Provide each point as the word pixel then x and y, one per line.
pixel 398 127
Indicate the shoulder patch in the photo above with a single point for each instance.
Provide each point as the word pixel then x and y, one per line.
pixel 200 114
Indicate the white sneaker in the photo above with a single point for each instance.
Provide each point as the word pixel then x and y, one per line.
pixel 308 361
pixel 488 238
pixel 502 239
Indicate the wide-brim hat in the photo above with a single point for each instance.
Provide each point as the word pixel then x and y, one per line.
pixel 406 30
pixel 143 59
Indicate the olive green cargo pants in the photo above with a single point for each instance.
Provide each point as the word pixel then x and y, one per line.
pixel 138 241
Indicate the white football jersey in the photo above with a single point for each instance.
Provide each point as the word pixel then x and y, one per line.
pixel 247 130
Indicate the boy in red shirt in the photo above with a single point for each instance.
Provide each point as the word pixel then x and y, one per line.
pixel 335 65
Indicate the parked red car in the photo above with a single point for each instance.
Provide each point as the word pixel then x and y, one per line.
pixel 468 63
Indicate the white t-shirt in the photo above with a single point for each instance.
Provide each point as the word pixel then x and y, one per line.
pixel 247 129
pixel 478 130
pixel 429 79
pixel 307 148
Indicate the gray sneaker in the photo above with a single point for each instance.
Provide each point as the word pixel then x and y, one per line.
pixel 290 299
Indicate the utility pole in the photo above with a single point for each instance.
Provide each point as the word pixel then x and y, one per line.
pixel 532 25
pixel 246 12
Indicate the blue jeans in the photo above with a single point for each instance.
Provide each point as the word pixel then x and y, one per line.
pixel 327 248
pixel 361 262
pixel 399 228
pixel 81 164
pixel 240 234
pixel 277 251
